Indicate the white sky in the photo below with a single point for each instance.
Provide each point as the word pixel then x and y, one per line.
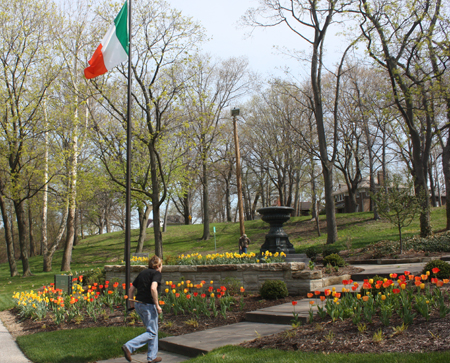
pixel 221 17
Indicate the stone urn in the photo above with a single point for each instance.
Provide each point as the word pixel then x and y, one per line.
pixel 276 240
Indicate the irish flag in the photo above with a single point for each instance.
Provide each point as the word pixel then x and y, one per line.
pixel 113 49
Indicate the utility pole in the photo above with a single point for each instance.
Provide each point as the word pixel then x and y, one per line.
pixel 234 113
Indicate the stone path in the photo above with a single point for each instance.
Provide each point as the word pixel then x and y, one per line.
pixel 262 322
pixel 9 351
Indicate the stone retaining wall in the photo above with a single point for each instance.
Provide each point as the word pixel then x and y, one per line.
pixel 251 276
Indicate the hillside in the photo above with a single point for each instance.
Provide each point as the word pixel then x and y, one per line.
pixel 355 230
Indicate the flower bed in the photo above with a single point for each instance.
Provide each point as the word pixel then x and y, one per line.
pixel 251 276
pixel 90 301
pixel 408 296
pixel 226 258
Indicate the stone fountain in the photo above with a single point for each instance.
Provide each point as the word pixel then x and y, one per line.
pixel 276 240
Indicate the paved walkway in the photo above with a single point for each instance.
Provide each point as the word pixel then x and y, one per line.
pixel 9 351
pixel 262 322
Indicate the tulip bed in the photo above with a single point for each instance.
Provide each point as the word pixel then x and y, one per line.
pixel 185 297
pixel 406 295
pixel 63 307
pixel 181 298
pixel 226 258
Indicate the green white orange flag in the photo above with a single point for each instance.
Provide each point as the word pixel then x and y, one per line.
pixel 113 49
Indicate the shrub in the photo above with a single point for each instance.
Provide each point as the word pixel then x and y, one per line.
pixel 334 260
pixel 97 275
pixel 312 252
pixel 444 269
pixel 273 289
pixel 329 250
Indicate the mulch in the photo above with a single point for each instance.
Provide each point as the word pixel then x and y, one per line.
pixel 344 337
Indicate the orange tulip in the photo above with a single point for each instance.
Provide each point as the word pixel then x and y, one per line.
pixel 365 298
pixel 310 294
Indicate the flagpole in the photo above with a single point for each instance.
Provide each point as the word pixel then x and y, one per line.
pixel 128 192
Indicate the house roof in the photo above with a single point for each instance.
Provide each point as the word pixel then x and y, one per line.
pixel 363 184
pixel 305 205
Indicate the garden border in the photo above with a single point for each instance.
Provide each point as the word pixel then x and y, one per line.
pixel 298 279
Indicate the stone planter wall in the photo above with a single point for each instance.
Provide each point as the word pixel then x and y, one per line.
pixel 251 276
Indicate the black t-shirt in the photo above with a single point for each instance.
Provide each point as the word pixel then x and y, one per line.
pixel 143 283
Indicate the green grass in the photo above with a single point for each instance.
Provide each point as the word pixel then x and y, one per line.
pixel 88 345
pixel 245 355
pixel 358 229
pixel 78 345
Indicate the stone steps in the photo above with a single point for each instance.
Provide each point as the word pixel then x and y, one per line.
pixel 297 257
pixel 194 344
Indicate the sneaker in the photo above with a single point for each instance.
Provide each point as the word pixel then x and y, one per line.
pixel 156 360
pixel 126 353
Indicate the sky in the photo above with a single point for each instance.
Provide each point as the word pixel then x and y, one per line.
pixel 221 17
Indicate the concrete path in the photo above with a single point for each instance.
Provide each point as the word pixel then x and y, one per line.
pixel 9 351
pixel 142 358
pixel 263 322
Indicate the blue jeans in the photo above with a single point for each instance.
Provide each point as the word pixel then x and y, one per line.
pixel 149 317
pixel 242 250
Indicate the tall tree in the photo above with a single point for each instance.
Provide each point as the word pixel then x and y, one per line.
pixel 311 20
pixel 162 45
pixel 28 68
pixel 212 87
pixel 396 39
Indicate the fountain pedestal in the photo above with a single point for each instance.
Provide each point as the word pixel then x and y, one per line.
pixel 276 240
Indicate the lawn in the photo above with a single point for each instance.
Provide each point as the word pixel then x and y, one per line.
pixel 78 345
pixel 248 355
pixel 355 230
pixel 83 345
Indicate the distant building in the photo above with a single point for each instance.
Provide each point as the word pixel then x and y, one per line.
pixel 342 199
pixel 304 208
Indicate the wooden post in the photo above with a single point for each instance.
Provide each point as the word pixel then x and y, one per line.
pixel 234 113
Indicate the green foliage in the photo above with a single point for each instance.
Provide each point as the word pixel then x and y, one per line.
pixel 329 250
pixel 334 260
pixel 97 275
pixel 232 284
pixel 273 289
pixel 436 243
pixel 444 269
pixel 312 252
pixel 397 204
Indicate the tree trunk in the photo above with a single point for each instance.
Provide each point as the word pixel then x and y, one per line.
pixel 22 227
pixel 33 251
pixel 206 234
pixel 9 239
pixel 67 256
pixel 48 254
pixel 228 199
pixel 165 216
pixel 73 175
pixel 143 218
pixel 75 238
pixel 446 170
pixel 187 209
pixel 327 166
pixel 432 188
pixel 329 206
pixel 255 203
pixel 156 203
